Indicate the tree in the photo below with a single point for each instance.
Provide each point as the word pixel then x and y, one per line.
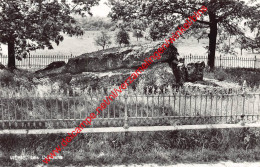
pixel 103 40
pixel 226 14
pixel 254 24
pixel 138 26
pixel 122 37
pixel 138 34
pixel 30 25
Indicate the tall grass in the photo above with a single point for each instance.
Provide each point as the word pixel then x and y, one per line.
pixel 189 146
pixel 237 75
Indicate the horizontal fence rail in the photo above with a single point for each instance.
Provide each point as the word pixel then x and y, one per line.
pixel 227 61
pixel 129 129
pixel 163 108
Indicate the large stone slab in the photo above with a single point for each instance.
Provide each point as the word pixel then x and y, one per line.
pixel 158 75
pixel 118 58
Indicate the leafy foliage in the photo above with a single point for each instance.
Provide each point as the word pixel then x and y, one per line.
pixel 95 23
pixel 30 25
pixel 138 34
pixel 163 16
pixel 122 37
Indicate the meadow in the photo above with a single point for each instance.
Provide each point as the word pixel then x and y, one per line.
pixel 85 44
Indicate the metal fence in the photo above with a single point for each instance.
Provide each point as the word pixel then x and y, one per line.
pixel 36 61
pixel 154 108
pixel 41 61
pixel 227 61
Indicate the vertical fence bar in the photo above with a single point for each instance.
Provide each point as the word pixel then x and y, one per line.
pixel 34 101
pixel 126 116
pixel 8 111
pixel 29 60
pixel 45 113
pixel 2 107
pixel 68 107
pixel 108 110
pixel 153 102
pixel 147 110
pixel 136 106
pixel 237 96
pixel 195 107
pixel 216 110
pixel 258 115
pixel 211 101
pixel 227 107
pixel 174 105
pixel 74 99
pixel 179 103
pixel 184 109
pixel 170 103
pixel 221 107
pixel 163 94
pixel 231 108
pixel 62 108
pixel 206 103
pixel 190 105
pixel 57 107
pixel 200 104
pixel 254 106
pixel 243 104
pixel 220 61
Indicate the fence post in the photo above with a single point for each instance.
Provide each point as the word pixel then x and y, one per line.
pixel 220 61
pixel 255 62
pixel 244 96
pixel 29 60
pixel 126 117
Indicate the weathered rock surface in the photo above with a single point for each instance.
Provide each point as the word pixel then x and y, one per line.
pixel 104 69
pixel 158 75
pixel 190 73
pixel 195 71
pixel 116 58
pixel 54 68
pixel 51 72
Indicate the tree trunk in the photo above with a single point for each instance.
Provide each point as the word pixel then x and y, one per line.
pixel 11 55
pixel 212 40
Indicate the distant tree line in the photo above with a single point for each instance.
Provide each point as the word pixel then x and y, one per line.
pixel 96 23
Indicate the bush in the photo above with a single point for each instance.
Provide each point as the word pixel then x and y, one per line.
pixel 237 75
pixel 6 78
pixel 220 75
pixel 122 37
pixel 252 76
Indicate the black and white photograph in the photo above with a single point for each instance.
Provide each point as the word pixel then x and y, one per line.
pixel 129 83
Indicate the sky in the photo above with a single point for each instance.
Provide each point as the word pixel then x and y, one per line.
pixel 102 10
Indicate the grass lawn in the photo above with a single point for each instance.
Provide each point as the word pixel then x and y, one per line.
pixel 236 75
pixel 164 148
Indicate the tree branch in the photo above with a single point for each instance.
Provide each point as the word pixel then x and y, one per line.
pixel 203 22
